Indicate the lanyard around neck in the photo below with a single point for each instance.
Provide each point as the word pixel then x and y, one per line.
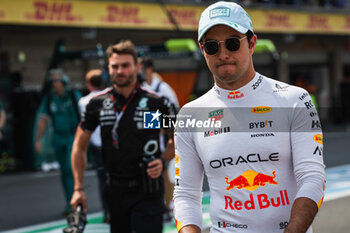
pixel 119 116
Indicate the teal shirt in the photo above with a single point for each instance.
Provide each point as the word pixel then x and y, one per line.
pixel 1 107
pixel 62 111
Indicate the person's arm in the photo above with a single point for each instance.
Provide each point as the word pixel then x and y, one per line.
pixel 43 120
pixel 2 118
pixel 190 229
pixel 78 156
pixel 307 149
pixel 2 122
pixel 41 129
pixel 189 174
pixel 156 167
pixel 169 151
pixel 303 213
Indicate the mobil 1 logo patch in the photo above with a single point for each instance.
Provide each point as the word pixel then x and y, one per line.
pixel 151 120
pixel 216 132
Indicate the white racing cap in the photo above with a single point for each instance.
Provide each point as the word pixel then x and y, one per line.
pixel 225 13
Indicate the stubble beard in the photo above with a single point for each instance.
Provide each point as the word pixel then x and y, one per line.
pixel 236 75
pixel 123 83
pixel 228 78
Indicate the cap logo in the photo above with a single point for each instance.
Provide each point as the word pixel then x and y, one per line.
pixel 218 12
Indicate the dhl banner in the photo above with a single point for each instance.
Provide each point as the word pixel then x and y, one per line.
pixel 156 16
pixel 98 14
pixel 274 21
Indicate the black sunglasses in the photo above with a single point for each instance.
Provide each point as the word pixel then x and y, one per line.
pixel 232 44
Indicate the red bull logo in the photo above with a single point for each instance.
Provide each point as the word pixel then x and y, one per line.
pixel 260 201
pixel 251 180
pixel 235 95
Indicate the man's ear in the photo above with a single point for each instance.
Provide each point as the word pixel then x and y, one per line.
pixel 252 43
pixel 201 47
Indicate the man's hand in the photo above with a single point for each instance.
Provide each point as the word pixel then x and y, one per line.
pixel 41 129
pixel 303 213
pixel 155 168
pixel 38 146
pixel 78 198
pixel 78 157
pixel 190 229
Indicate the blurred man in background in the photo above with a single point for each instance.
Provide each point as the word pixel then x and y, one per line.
pixel 61 106
pixel 153 81
pixel 94 84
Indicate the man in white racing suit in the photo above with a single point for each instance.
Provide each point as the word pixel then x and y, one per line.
pixel 258 140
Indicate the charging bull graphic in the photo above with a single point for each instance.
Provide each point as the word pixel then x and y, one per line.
pixel 251 180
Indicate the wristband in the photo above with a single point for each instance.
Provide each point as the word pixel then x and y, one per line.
pixel 79 189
